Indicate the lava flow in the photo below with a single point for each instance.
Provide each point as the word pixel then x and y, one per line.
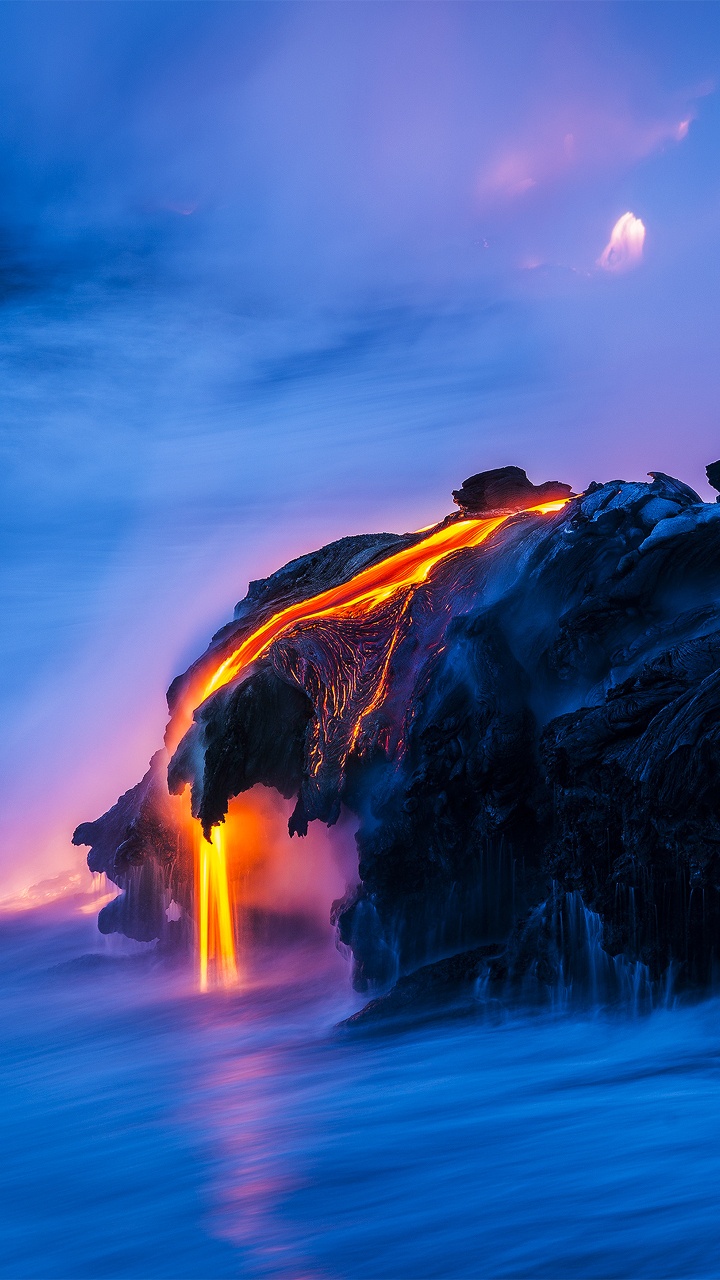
pixel 216 936
pixel 357 597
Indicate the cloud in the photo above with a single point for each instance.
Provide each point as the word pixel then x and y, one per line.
pixel 576 138
pixel 508 177
pixel 625 246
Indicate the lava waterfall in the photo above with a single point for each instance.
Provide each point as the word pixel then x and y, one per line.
pixel 520 707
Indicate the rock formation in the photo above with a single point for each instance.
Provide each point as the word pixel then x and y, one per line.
pixel 529 738
pixel 505 489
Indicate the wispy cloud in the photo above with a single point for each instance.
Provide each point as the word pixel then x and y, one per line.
pixel 577 138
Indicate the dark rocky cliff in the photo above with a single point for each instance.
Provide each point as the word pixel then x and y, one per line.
pixel 547 733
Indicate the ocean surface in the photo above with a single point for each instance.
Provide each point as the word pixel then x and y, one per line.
pixel 147 1131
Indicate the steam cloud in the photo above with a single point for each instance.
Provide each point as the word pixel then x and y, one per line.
pixel 625 246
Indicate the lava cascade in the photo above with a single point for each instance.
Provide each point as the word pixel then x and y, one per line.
pixel 356 599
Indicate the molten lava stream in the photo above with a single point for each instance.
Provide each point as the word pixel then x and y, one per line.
pixel 361 594
pixel 214 908
pixel 371 587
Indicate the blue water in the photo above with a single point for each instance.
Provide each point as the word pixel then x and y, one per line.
pixel 148 1131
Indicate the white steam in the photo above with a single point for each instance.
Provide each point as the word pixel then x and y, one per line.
pixel 624 249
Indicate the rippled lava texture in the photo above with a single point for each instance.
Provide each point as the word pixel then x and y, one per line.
pixel 541 714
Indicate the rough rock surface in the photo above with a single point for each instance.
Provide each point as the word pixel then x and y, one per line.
pixel 135 843
pixel 713 475
pixel 505 489
pixel 545 750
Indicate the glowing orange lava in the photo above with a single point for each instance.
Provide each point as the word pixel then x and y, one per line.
pixel 358 596
pixel 216 930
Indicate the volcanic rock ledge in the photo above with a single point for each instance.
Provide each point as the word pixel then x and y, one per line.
pixel 537 761
pixel 505 489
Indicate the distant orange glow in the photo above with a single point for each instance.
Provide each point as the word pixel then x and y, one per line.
pixel 359 596
pixel 92 907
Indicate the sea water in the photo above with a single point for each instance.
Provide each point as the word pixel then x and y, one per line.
pixel 149 1131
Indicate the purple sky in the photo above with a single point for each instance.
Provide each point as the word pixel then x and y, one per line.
pixel 275 273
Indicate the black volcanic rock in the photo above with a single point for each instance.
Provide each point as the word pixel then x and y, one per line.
pixel 446 984
pixel 505 489
pixel 302 578
pixel 529 740
pixel 253 732
pixel 136 845
pixel 713 474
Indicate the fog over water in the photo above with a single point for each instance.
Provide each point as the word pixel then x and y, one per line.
pixel 271 274
pixel 148 1131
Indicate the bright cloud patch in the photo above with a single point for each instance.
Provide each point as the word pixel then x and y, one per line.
pixel 625 247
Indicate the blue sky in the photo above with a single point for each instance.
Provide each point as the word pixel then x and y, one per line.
pixel 274 273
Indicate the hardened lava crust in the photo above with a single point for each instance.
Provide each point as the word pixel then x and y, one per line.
pixel 532 725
